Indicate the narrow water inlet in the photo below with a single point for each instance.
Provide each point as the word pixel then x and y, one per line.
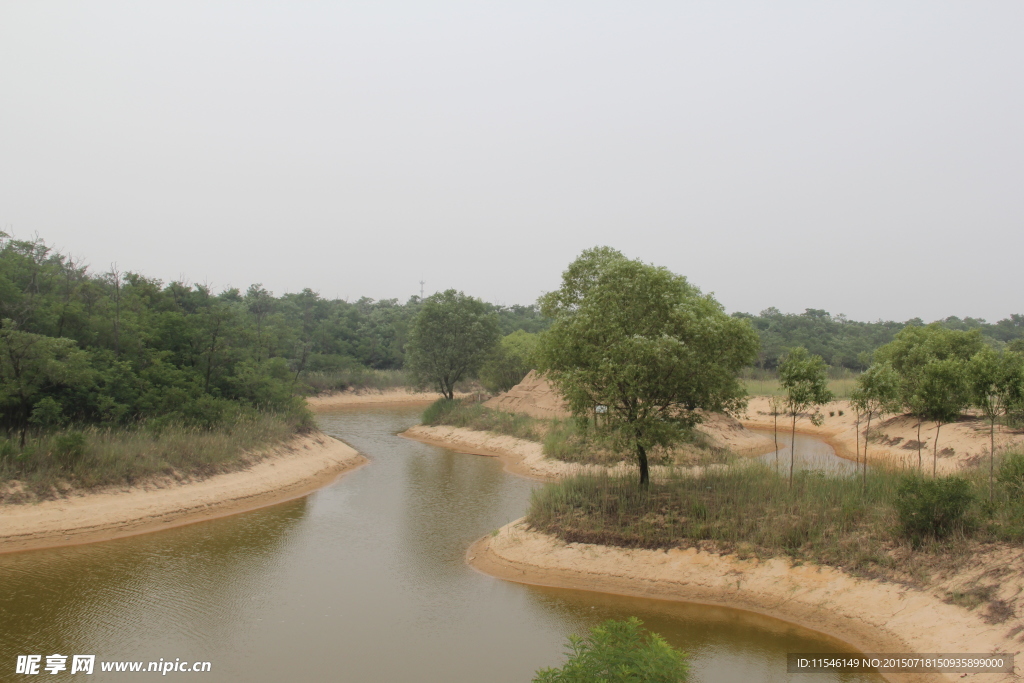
pixel 364 580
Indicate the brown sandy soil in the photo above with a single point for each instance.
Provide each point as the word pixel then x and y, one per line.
pixel 872 616
pixel 535 396
pixel 893 439
pixel 343 399
pixel 290 471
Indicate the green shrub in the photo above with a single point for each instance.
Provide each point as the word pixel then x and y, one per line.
pixel 934 507
pixel 438 411
pixel 69 448
pixel 619 652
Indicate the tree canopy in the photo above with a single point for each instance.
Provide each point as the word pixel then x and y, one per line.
pixel 803 376
pixel 644 342
pixel 619 652
pixel 452 335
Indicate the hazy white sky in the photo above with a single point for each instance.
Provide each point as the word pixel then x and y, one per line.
pixel 862 157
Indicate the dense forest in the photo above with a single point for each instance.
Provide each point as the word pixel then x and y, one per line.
pixel 118 348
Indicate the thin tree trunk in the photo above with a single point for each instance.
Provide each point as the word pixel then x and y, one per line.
pixel 792 450
pixel 856 431
pixel 935 451
pixel 991 457
pixel 775 414
pixel 867 432
pixel 920 466
pixel 641 456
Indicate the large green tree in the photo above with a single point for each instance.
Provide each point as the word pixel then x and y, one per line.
pixel 32 367
pixel 450 338
pixel 644 342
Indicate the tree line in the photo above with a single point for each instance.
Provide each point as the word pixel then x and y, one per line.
pixel 844 343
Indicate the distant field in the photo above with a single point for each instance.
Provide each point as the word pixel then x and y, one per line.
pixel 764 383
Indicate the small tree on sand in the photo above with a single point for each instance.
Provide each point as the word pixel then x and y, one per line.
pixel 877 394
pixel 647 344
pixel 943 394
pixel 804 378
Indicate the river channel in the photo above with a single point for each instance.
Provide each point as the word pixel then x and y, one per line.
pixel 364 580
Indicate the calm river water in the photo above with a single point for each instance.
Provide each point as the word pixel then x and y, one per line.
pixel 364 580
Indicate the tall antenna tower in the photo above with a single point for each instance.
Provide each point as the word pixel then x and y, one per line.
pixel 422 282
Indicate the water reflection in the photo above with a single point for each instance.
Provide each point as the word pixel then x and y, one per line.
pixel 151 596
pixel 810 454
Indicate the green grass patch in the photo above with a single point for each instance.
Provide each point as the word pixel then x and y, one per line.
pixel 473 415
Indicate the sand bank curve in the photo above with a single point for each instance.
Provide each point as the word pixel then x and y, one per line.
pixel 291 470
pixel 871 616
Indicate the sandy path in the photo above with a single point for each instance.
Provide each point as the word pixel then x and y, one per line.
pixel 871 616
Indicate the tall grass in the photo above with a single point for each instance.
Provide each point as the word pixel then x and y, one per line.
pixel 97 456
pixel 841 521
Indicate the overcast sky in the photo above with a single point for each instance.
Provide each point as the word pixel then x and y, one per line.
pixel 863 157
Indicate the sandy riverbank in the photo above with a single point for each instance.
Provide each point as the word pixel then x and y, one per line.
pixel 519 456
pixel 962 444
pixel 289 471
pixel 871 616
pixel 344 399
